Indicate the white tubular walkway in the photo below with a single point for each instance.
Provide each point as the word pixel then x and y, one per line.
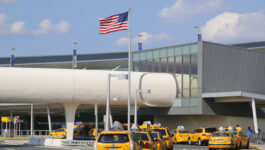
pixel 34 85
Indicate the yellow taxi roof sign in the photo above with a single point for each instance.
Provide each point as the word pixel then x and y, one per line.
pixel 7 119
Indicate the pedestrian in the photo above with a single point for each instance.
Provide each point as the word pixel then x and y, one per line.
pixel 238 128
pixel 249 132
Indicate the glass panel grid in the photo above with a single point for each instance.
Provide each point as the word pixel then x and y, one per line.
pixel 136 57
pixel 163 53
pixel 142 56
pixel 194 48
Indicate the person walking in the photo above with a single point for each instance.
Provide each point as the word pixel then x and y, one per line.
pixel 238 128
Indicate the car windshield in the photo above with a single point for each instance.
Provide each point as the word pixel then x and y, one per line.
pixel 113 138
pixel 210 130
pixel 141 136
pixel 161 131
pixel 154 135
pixel 184 131
pixel 220 134
pixel 197 131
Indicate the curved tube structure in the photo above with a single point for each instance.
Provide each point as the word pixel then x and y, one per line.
pixel 68 86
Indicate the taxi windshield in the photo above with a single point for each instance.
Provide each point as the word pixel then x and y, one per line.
pixel 184 131
pixel 141 136
pixel 220 134
pixel 161 131
pixel 113 138
pixel 154 135
pixel 210 130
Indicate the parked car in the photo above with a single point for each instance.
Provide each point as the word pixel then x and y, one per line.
pixel 167 136
pixel 221 140
pixel 114 140
pixel 181 136
pixel 201 135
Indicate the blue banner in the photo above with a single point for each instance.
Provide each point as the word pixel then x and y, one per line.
pixel 140 46
pixel 199 37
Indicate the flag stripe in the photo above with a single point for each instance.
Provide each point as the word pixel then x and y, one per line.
pixel 113 23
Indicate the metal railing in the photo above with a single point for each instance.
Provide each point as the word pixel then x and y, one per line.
pixel 27 133
pixel 257 139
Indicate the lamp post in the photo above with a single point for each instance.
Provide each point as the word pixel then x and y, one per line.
pixel 145 91
pixel 120 77
pixel 140 45
pixel 11 57
pixel 74 63
pixel 199 37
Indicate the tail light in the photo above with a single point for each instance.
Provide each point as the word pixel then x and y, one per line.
pixel 203 134
pixel 131 145
pixel 157 142
pixel 146 145
pixel 168 138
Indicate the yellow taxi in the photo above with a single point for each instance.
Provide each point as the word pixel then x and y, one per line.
pixel 181 136
pixel 145 140
pixel 58 134
pixel 167 136
pixel 116 140
pixel 201 135
pixel 151 126
pixel 62 132
pixel 242 140
pixel 220 140
pixel 92 132
pixel 161 144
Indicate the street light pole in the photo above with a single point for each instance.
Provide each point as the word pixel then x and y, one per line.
pixel 139 43
pixel 198 37
pixel 108 103
pixel 74 63
pixel 129 70
pixel 11 57
pixel 120 77
pixel 146 91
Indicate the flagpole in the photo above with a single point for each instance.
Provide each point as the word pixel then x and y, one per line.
pixel 129 70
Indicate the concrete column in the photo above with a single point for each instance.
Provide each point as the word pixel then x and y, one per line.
pixel 49 119
pixel 31 120
pixel 254 115
pixel 70 110
pixel 96 120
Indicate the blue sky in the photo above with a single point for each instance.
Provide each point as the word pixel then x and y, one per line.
pixel 48 27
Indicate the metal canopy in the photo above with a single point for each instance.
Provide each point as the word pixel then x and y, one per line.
pixel 234 96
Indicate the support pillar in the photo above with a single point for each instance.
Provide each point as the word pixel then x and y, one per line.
pixel 70 110
pixel 49 119
pixel 31 120
pixel 96 120
pixel 254 115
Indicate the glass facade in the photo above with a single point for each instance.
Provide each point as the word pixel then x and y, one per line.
pixel 179 60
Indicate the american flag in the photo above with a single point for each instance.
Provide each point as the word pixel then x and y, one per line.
pixel 114 23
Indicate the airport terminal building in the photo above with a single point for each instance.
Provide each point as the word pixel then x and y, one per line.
pixel 217 84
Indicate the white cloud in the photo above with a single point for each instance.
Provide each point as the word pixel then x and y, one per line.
pixel 9 1
pixel 18 27
pixel 235 27
pixel 182 10
pixel 62 27
pixel 45 26
pixel 146 39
